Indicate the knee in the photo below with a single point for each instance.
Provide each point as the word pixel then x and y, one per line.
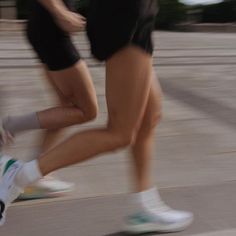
pixel 123 139
pixel 155 119
pixel 89 109
pixel 90 112
pixel 152 121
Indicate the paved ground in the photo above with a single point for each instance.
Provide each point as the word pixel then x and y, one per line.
pixel 195 162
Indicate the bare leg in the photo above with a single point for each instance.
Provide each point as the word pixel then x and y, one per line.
pixel 131 99
pixel 142 149
pixel 52 136
pixel 51 186
pixel 127 90
pixel 129 74
pixel 146 201
pixel 75 88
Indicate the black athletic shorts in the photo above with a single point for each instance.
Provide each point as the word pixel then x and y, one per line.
pixel 53 46
pixel 114 24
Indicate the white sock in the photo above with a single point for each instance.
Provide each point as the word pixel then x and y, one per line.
pixel 16 124
pixel 149 201
pixel 29 174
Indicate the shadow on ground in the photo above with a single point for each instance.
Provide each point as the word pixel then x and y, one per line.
pixel 125 234
pixel 117 234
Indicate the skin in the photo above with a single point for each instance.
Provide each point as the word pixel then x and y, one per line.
pixel 73 85
pixel 129 72
pixel 67 20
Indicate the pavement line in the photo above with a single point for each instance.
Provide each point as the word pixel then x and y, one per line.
pixel 231 232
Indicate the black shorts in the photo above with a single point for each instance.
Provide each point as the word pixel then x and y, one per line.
pixel 53 46
pixel 113 25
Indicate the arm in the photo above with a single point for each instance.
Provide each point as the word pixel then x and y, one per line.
pixel 66 19
pixel 55 7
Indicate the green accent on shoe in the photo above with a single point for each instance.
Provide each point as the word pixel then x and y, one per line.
pixel 8 165
pixel 139 219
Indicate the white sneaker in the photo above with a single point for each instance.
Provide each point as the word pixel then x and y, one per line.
pixel 165 221
pixel 47 187
pixel 8 190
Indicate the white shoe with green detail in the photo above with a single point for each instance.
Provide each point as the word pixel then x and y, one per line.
pixel 166 220
pixel 169 222
pixel 8 189
pixel 47 187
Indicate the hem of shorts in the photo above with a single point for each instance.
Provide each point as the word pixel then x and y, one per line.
pixel 110 55
pixel 67 66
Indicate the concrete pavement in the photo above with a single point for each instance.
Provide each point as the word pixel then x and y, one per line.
pixel 213 206
pixel 195 159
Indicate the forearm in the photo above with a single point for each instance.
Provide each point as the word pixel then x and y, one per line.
pixel 67 20
pixel 55 7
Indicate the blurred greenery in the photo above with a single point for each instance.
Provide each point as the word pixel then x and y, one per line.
pixel 171 12
pixel 220 13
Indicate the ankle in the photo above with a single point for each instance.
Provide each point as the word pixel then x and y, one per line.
pixel 29 174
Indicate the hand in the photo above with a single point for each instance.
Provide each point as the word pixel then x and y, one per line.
pixel 70 21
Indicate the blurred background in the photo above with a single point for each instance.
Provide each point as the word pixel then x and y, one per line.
pixel 195 161
pixel 172 12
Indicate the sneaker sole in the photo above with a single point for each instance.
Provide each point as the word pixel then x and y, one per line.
pixel 25 197
pixel 154 228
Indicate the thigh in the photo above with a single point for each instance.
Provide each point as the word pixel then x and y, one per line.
pixel 74 85
pixel 127 88
pixel 60 97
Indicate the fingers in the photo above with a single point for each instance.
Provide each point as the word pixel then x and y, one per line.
pixel 81 22
pixel 71 21
pixel 81 17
